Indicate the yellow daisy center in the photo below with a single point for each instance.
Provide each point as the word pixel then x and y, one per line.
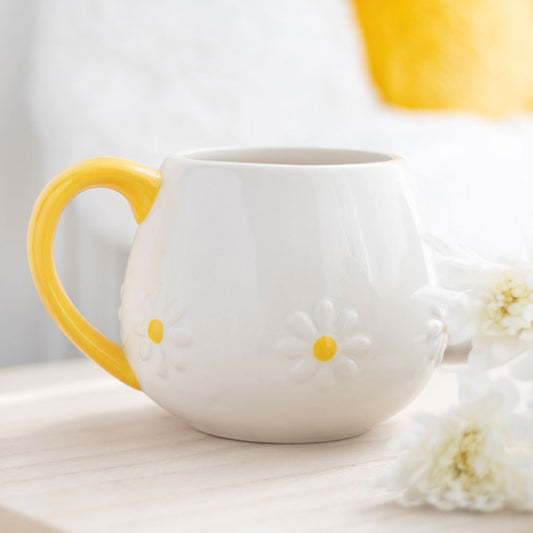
pixel 156 330
pixel 324 348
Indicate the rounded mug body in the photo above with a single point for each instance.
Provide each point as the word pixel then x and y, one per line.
pixel 270 294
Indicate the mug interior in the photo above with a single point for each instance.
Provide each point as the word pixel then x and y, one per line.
pixel 289 156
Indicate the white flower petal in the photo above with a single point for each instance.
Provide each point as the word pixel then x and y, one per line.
pixel 345 367
pixel 303 369
pixel 175 314
pixel 477 361
pixel 146 349
pixel 496 350
pixel 527 335
pixel 503 350
pixel 358 345
pixel 324 314
pixel 180 337
pixel 293 347
pixel 324 376
pixel 348 323
pixel 161 301
pixel 522 367
pixel 148 309
pixel 469 457
pixel 140 326
pixel 160 361
pixel 301 325
pixel 177 358
pixel 460 329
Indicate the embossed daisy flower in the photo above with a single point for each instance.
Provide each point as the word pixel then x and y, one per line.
pixel 324 347
pixel 164 339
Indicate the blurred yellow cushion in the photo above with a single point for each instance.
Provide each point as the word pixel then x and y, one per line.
pixel 474 55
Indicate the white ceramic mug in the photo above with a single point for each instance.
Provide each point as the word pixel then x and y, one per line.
pixel 270 294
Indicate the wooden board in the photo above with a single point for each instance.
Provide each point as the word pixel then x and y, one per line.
pixel 81 452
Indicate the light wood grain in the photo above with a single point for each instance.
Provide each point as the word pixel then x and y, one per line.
pixel 81 452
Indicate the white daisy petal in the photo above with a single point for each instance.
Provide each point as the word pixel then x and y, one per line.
pixel 146 349
pixel 303 369
pixel 324 376
pixel 161 301
pixel 301 325
pixel 292 347
pixel 141 327
pixel 160 361
pixel 324 313
pixel 176 357
pixel 348 323
pixel 358 345
pixel 148 308
pixel 345 368
pixel 175 313
pixel 180 337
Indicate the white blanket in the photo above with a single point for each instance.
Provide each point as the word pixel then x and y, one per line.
pixel 141 79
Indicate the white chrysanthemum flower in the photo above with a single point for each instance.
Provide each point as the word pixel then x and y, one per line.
pixel 324 347
pixel 487 303
pixel 475 456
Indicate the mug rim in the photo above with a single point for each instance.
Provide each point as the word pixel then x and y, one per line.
pixel 287 157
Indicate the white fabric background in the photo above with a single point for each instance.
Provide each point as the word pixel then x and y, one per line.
pixel 142 79
pixel 25 328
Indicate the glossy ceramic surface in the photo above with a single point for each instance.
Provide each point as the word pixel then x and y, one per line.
pixel 270 294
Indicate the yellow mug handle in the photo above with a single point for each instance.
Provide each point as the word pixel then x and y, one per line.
pixel 140 185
